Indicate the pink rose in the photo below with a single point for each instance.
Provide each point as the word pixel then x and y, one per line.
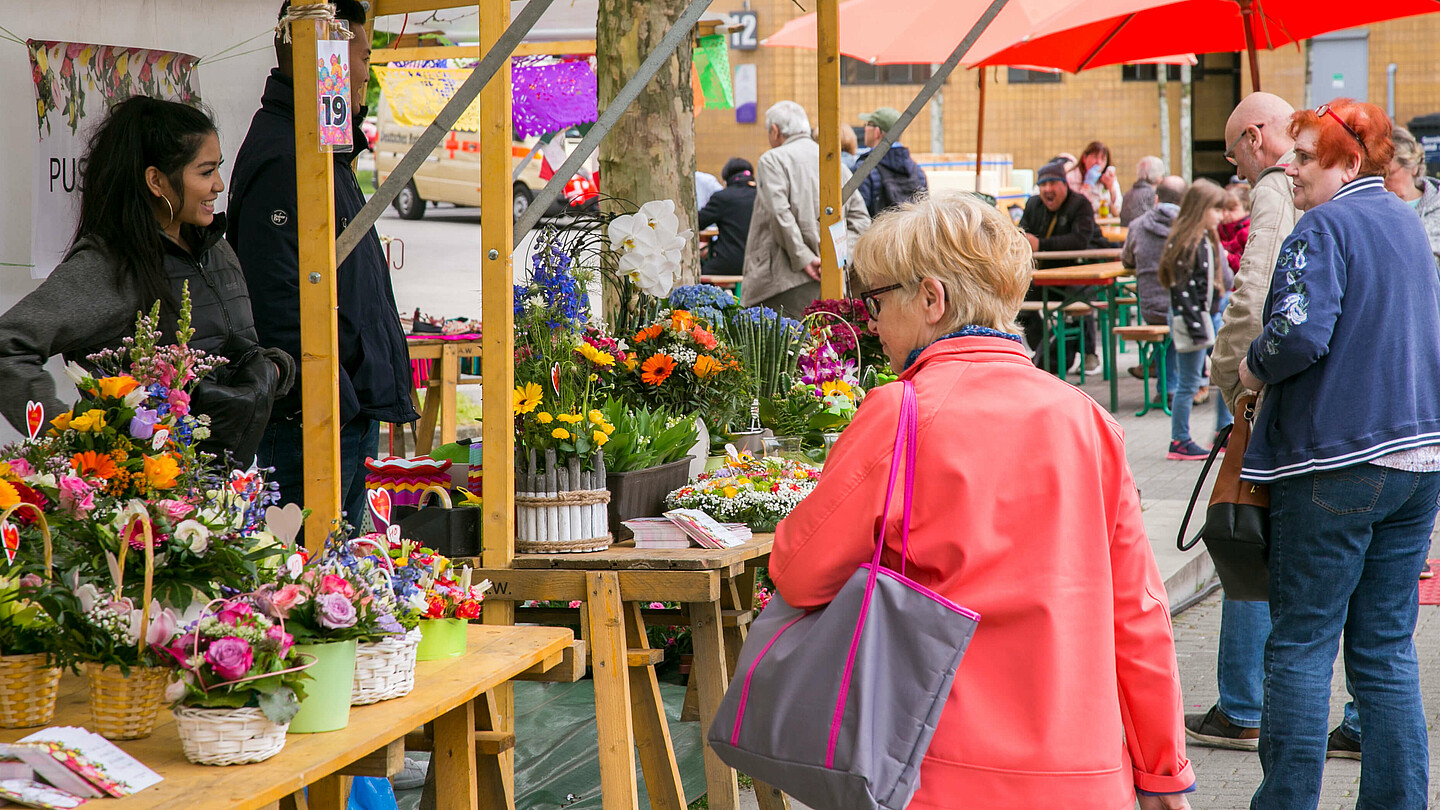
pixel 174 510
pixel 334 584
pixel 281 638
pixel 233 612
pixel 76 496
pixel 230 657
pixel 287 598
pixel 21 467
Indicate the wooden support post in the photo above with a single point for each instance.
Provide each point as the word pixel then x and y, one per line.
pixel 496 787
pixel 980 132
pixel 712 675
pixel 319 353
pixel 613 720
pixel 497 358
pixel 329 792
pixel 832 209
pixel 652 730
pixel 453 761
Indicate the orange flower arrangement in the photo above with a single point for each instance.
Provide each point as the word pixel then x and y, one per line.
pixel 649 333
pixel 161 471
pixel 707 366
pixel 92 463
pixel 681 321
pixel 657 369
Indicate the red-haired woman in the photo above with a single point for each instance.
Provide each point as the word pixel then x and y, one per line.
pixel 1348 438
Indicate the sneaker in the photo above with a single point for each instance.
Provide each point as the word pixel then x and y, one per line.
pixel 413 775
pixel 1137 372
pixel 1341 746
pixel 1212 729
pixel 1428 573
pixel 1092 363
pixel 1187 451
pixel 1202 395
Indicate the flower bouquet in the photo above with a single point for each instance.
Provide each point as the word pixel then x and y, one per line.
pixel 31 643
pixel 678 364
pixel 242 684
pixel 756 492
pixel 385 669
pixel 450 601
pixel 329 606
pixel 709 304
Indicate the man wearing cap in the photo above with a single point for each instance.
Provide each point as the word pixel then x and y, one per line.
pixel 1056 219
pixel 898 178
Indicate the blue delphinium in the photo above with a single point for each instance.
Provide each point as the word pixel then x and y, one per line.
pixel 556 288
pixel 704 301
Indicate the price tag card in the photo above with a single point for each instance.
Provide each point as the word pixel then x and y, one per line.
pixel 332 86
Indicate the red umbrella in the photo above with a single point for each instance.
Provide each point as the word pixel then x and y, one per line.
pixel 1109 32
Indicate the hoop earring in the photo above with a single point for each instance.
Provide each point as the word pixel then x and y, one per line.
pixel 171 208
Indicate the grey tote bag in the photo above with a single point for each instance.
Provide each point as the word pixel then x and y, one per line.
pixel 836 706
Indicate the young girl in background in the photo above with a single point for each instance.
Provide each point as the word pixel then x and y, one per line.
pixel 1194 268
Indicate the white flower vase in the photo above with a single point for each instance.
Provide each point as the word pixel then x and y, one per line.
pixel 701 451
pixel 561 509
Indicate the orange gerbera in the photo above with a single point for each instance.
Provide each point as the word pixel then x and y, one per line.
pixel 649 333
pixel 9 495
pixel 161 471
pixel 680 321
pixel 707 366
pixel 90 462
pixel 657 369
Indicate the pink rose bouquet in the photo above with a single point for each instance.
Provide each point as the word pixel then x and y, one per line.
pixel 237 656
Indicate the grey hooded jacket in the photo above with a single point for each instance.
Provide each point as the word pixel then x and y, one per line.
pixel 1143 246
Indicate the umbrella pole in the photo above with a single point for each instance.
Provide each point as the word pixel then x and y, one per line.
pixel 980 132
pixel 1246 13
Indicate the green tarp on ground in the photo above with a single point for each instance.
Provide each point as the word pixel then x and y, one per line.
pixel 557 761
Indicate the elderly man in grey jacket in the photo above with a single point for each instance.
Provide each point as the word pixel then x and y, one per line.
pixel 782 253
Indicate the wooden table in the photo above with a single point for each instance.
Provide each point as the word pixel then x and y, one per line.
pixel 716 588
pixel 1083 277
pixel 1094 254
pixel 731 283
pixel 1114 233
pixel 441 387
pixel 454 694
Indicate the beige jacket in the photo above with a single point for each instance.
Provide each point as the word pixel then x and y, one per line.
pixel 785 226
pixel 1272 218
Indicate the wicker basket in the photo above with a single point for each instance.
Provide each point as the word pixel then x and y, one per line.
pixel 27 690
pixel 227 736
pixel 125 708
pixel 385 669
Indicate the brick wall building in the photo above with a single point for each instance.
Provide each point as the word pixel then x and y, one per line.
pixel 1033 120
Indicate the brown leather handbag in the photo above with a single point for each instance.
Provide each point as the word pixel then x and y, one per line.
pixel 1237 523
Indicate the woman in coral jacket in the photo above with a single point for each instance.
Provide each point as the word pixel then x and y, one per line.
pixel 1024 511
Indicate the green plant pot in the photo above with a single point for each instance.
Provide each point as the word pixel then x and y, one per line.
pixel 326 706
pixel 441 638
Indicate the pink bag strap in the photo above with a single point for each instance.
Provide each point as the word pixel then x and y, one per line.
pixel 905 440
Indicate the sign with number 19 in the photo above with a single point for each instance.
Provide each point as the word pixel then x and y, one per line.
pixel 332 86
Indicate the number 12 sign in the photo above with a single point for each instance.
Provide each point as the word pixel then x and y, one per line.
pixel 332 80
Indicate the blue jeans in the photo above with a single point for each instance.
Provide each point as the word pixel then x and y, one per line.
pixel 283 448
pixel 1190 369
pixel 1240 670
pixel 1346 550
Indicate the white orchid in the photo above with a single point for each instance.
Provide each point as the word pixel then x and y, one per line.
pixel 76 373
pixel 652 245
pixel 193 535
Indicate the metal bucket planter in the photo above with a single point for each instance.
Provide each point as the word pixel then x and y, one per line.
pixel 560 509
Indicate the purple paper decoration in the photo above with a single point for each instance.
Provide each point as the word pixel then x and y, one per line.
pixel 553 98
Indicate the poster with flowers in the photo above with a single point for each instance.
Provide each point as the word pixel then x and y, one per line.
pixel 75 83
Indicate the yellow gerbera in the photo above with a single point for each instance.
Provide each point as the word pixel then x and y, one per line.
pixel 570 418
pixel 544 418
pixel 527 397
pixel 836 387
pixel 91 420
pixel 9 496
pixel 560 433
pixel 596 417
pixel 600 358
pixel 600 438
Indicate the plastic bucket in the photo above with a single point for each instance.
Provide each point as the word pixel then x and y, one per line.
pixel 326 706
pixel 441 638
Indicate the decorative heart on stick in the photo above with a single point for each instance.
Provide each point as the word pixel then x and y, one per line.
pixel 285 523
pixel 379 507
pixel 11 536
pixel 34 417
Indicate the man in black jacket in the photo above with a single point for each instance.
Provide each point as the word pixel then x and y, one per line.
pixel 1056 219
pixel 374 362
pixel 898 178
pixel 729 209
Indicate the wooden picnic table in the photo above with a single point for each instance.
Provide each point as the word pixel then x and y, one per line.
pixel 1095 254
pixel 440 388
pixel 1083 278
pixel 716 588
pixel 454 694
pixel 1114 233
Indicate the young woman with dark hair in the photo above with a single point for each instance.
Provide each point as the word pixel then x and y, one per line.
pixel 148 184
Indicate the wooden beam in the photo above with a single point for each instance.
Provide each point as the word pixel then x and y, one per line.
pixel 319 353
pixel 827 17
pixel 383 763
pixel 419 54
pixel 387 7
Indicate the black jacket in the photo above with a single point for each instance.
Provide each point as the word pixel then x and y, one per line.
pixel 730 209
pixel 1074 224
pixel 374 361
pixel 85 306
pixel 896 180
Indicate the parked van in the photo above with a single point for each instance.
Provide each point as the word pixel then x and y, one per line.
pixel 451 173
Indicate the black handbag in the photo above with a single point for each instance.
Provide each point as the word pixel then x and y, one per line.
pixel 1237 522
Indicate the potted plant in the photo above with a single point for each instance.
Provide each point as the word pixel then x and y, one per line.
pixel 329 608
pixel 450 604
pixel 647 458
pixel 242 684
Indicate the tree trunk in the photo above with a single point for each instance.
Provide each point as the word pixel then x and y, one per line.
pixel 650 154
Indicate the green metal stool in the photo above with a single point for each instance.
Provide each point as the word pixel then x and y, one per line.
pixel 1152 343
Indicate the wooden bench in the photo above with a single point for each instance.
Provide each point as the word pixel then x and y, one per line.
pixel 1078 308
pixel 1153 341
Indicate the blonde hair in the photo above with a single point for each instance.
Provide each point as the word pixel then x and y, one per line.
pixel 1408 152
pixel 974 251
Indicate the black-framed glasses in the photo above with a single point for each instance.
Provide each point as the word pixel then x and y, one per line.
pixel 871 299
pixel 1230 150
pixel 1324 110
